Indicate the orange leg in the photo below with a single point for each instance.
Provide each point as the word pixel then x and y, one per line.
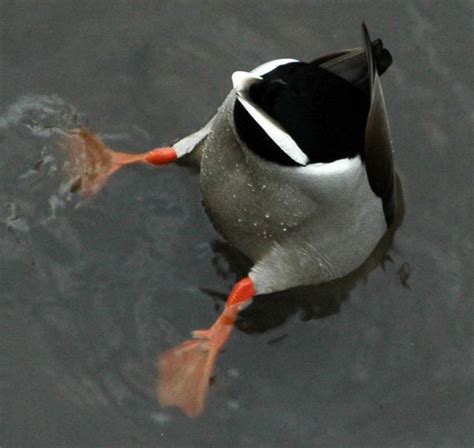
pixel 91 162
pixel 185 371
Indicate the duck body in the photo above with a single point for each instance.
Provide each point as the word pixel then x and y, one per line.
pixel 302 221
pixel 300 225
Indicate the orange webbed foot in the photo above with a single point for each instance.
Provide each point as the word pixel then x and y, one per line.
pixel 91 162
pixel 185 371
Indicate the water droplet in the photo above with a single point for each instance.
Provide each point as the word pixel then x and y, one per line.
pixel 233 373
pixel 160 417
pixel 233 405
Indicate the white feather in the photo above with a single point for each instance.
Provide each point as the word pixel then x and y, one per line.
pixel 271 65
pixel 188 143
pixel 242 81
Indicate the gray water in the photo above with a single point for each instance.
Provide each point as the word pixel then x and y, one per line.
pixel 91 292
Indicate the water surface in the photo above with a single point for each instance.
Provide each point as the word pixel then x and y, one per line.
pixel 92 291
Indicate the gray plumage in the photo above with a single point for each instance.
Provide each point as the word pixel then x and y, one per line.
pixel 306 224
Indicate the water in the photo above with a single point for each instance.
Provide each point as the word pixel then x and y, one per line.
pixel 93 291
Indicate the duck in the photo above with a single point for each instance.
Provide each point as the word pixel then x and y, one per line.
pixel 296 172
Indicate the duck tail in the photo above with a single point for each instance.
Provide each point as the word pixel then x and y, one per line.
pixel 379 55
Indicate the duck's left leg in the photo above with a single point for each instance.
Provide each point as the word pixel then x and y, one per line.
pixel 91 162
pixel 185 371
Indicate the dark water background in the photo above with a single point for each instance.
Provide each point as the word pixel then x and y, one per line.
pixel 90 293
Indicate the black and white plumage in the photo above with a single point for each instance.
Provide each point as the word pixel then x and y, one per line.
pixel 296 166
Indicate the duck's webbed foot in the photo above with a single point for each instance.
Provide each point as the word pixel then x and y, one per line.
pixel 91 162
pixel 185 371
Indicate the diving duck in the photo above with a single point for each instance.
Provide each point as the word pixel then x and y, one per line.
pixel 296 171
